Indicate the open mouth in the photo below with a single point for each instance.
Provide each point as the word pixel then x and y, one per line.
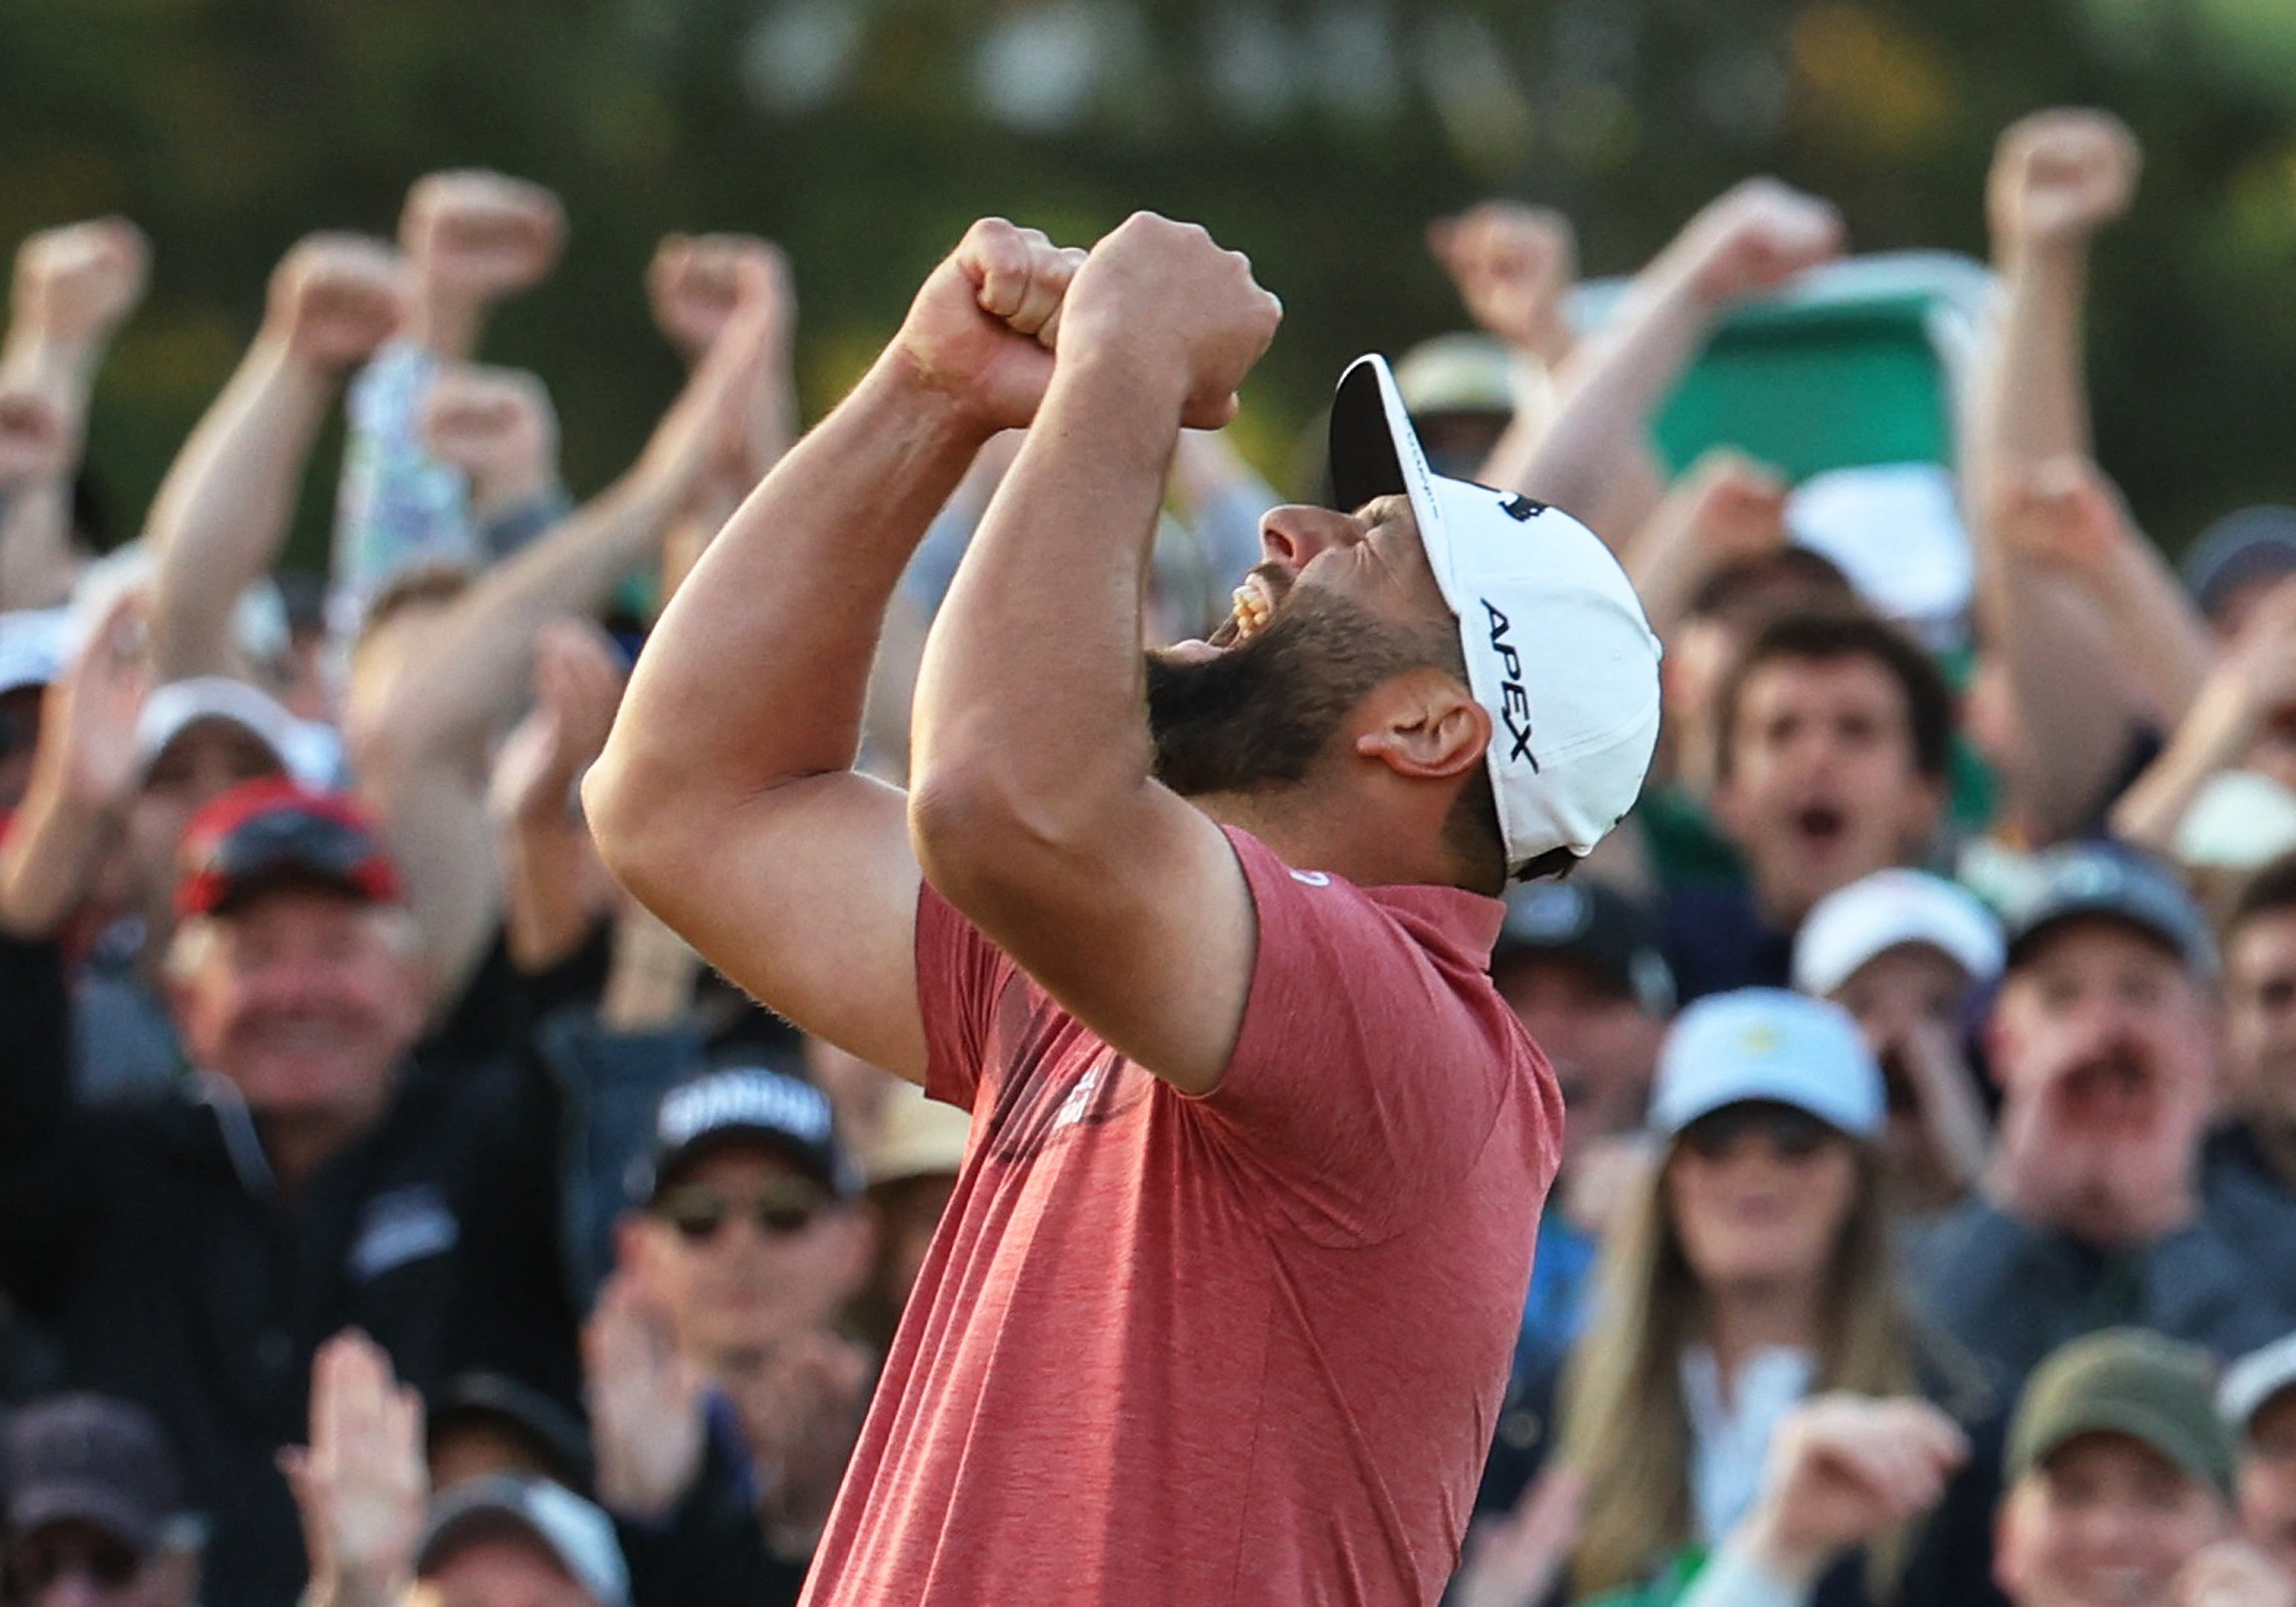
pixel 1822 826
pixel 1254 605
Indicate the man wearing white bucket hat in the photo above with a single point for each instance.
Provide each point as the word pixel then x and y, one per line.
pixel 1221 1308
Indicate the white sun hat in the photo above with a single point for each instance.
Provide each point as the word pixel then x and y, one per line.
pixel 1556 645
pixel 1854 924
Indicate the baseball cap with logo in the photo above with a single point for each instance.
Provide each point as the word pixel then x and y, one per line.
pixel 575 1534
pixel 1874 914
pixel 2129 1381
pixel 88 1458
pixel 749 1103
pixel 1556 645
pixel 266 832
pixel 1763 1043
pixel 2087 880
pixel 1591 925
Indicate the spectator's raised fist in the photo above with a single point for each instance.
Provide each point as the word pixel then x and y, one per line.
pixel 1755 236
pixel 2060 175
pixel 496 425
pixel 577 688
pixel 34 445
pixel 2064 513
pixel 980 330
pixel 1511 265
pixel 1737 507
pixel 1168 291
pixel 482 235
pixel 337 298
pixel 74 284
pixel 1841 1471
pixel 696 281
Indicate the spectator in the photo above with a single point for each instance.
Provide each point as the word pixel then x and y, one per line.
pixel 1580 965
pixel 2260 1029
pixel 2232 564
pixel 192 1256
pixel 95 1508
pixel 751 1244
pixel 2257 1401
pixel 2117 1481
pixel 1749 1271
pixel 511 1540
pixel 2118 1473
pixel 1831 743
pixel 1907 953
pixel 2102 1039
pixel 490 1423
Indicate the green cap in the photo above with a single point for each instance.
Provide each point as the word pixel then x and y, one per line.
pixel 2123 1381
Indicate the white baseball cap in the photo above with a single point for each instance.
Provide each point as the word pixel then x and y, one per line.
pixel 573 1531
pixel 1768 1044
pixel 1852 925
pixel 309 753
pixel 1556 645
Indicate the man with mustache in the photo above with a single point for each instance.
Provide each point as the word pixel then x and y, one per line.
pixel 1221 1308
pixel 2092 1212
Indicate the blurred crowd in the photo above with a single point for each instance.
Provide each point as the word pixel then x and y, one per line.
pixel 388 1202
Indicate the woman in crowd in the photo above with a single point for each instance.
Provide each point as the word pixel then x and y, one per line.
pixel 1750 1270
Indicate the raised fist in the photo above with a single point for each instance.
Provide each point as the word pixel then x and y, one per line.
pixel 34 444
pixel 2060 175
pixel 980 330
pixel 694 280
pixel 335 297
pixel 1168 289
pixel 1511 265
pixel 496 425
pixel 482 235
pixel 1736 509
pixel 74 284
pixel 2065 514
pixel 577 688
pixel 1754 237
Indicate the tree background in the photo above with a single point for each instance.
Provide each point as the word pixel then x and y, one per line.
pixel 1319 135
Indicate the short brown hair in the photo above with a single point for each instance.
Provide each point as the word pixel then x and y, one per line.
pixel 1826 636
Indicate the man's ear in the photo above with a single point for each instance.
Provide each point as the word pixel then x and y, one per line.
pixel 1423 724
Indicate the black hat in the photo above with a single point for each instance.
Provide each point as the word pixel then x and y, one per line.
pixel 549 1431
pixel 2081 880
pixel 783 1113
pixel 1591 925
pixel 91 1459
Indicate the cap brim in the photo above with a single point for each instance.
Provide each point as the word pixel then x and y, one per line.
pixel 801 1157
pixel 1376 453
pixel 2151 1429
pixel 93 1504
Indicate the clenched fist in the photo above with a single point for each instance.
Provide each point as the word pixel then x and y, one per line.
pixel 1757 235
pixel 695 282
pixel 480 234
pixel 74 284
pixel 1511 265
pixel 1167 292
pixel 335 297
pixel 496 425
pixel 982 328
pixel 2058 176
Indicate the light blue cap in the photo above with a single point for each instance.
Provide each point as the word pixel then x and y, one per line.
pixel 1766 1043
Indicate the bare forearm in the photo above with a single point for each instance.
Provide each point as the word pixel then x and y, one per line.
pixel 552 889
pixel 1605 396
pixel 1032 677
pixel 470 669
pixel 223 513
pixel 786 604
pixel 2171 652
pixel 2032 402
pixel 48 861
pixel 2212 738
pixel 2071 696
pixel 37 563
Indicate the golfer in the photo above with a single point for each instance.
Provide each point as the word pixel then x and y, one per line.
pixel 1221 1310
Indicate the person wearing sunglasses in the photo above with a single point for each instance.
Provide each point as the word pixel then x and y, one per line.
pixel 94 1509
pixel 1748 1270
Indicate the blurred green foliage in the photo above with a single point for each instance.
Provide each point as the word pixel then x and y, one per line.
pixel 1319 135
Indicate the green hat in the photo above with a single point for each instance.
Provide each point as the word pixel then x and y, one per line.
pixel 2129 1381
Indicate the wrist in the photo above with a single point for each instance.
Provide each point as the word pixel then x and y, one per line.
pixel 446 320
pixel 1779 1557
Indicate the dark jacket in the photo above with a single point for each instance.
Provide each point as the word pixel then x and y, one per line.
pixel 155 1247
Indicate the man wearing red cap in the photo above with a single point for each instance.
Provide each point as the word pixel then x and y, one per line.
pixel 192 1256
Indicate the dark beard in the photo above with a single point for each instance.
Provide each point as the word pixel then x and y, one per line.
pixel 1262 712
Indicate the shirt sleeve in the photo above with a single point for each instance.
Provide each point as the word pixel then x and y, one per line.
pixel 959 977
pixel 1374 1061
